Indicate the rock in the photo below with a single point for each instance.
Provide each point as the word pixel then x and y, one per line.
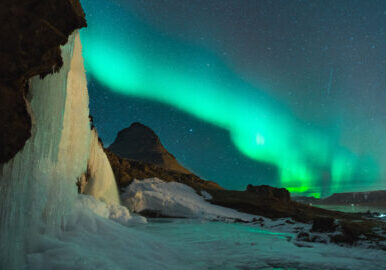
pixel 31 33
pixel 318 239
pixel 126 170
pixel 268 192
pixel 238 220
pixel 155 214
pixel 139 142
pixel 289 221
pixel 323 224
pixel 342 239
pixel 353 230
pixel 303 236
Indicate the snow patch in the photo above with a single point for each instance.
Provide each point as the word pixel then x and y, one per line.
pixel 206 195
pixel 175 200
pixel 115 212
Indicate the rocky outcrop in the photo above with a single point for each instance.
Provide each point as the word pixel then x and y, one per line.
pixel 323 224
pixel 126 170
pixel 139 142
pixel 257 200
pixel 267 192
pixel 31 33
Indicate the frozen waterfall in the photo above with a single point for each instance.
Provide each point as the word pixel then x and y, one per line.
pixel 101 183
pixel 38 186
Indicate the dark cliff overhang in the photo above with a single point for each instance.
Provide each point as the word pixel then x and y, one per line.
pixel 32 32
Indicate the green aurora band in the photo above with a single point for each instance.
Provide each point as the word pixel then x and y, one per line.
pixel 129 57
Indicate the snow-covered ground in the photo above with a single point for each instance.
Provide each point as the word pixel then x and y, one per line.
pixel 92 241
pixel 175 200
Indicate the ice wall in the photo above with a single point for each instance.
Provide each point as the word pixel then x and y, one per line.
pixel 38 186
pixel 101 182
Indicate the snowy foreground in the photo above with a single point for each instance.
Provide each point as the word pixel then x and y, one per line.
pixel 102 236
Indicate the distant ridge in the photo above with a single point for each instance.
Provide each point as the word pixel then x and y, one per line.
pixel 139 142
pixel 369 198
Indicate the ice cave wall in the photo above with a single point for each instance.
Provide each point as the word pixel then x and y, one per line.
pixel 38 186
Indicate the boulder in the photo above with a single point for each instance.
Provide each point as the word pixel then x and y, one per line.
pixel 323 224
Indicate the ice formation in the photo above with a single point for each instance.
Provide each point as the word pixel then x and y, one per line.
pixel 101 183
pixel 88 204
pixel 38 186
pixel 175 200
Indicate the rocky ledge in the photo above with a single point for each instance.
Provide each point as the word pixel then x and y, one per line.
pixel 31 35
pixel 126 170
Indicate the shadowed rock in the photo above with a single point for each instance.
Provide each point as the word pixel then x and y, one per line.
pixel 323 224
pixel 126 170
pixel 31 34
pixel 138 142
pixel 268 192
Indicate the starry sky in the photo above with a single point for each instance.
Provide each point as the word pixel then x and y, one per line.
pixel 287 93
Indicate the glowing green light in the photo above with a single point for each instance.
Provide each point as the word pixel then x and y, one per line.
pixel 130 58
pixel 315 195
pixel 260 139
pixel 297 189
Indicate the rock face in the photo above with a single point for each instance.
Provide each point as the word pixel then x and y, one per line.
pixel 323 224
pixel 268 192
pixel 126 170
pixel 138 142
pixel 31 33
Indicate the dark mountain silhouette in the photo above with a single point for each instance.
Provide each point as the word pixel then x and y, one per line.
pixel 139 142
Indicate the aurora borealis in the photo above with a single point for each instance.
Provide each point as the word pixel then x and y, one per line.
pixel 130 55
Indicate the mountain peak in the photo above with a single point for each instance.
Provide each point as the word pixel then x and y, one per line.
pixel 140 142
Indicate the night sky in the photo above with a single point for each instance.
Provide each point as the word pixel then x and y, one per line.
pixel 285 93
